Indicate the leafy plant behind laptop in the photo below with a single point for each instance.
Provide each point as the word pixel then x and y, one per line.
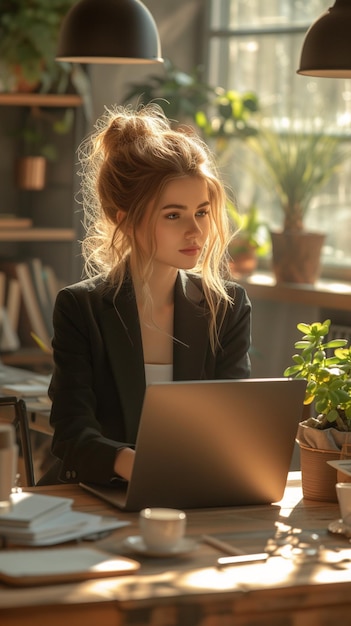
pixel 326 365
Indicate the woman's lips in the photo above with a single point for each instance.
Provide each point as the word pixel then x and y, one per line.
pixel 190 251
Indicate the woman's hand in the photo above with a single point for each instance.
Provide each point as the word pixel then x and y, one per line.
pixel 124 463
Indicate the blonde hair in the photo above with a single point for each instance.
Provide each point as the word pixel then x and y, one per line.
pixel 125 164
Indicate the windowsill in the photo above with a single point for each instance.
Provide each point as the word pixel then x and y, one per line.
pixel 325 293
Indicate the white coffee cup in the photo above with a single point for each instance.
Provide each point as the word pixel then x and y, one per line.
pixel 8 463
pixel 343 492
pixel 162 529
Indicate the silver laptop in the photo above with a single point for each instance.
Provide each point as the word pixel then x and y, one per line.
pixel 212 444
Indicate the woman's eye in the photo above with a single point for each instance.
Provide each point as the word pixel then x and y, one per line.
pixel 202 213
pixel 172 216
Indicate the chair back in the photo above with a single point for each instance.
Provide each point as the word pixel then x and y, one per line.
pixel 13 410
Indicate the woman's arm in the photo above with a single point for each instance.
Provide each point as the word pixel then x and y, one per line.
pixel 86 414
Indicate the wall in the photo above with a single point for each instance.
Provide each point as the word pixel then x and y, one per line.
pixel 180 25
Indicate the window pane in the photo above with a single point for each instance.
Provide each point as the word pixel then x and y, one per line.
pixel 253 13
pixel 262 55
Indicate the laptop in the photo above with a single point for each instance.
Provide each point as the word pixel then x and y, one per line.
pixel 212 444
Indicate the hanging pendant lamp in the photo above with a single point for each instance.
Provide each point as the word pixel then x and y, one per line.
pixel 326 49
pixel 109 31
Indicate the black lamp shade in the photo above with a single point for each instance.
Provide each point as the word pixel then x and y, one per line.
pixel 109 31
pixel 326 50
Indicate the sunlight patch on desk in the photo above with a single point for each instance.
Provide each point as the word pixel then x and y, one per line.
pixel 161 585
pixel 292 496
pixel 275 571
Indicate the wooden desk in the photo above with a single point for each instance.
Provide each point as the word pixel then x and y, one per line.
pixel 192 591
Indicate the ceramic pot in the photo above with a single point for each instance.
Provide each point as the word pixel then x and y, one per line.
pixel 296 256
pixel 31 172
pixel 317 477
pixel 243 258
pixel 317 447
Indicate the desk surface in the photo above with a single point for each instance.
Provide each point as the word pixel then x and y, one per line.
pixel 192 590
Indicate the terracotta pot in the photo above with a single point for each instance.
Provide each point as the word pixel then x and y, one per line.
pixel 243 264
pixel 31 172
pixel 20 83
pixel 318 478
pixel 317 447
pixel 243 259
pixel 296 256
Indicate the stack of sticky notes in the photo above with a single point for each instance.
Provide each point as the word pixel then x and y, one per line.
pixel 38 520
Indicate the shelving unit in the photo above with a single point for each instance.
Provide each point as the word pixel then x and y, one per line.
pixel 54 211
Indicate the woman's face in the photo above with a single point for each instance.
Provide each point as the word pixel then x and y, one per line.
pixel 182 223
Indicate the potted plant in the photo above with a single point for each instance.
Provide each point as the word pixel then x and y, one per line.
pixel 250 241
pixel 296 165
pixel 28 39
pixel 36 147
pixel 326 365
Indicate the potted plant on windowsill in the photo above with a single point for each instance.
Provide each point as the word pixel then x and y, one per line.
pixel 250 241
pixel 326 365
pixel 296 165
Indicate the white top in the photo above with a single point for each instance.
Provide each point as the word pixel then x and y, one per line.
pixel 155 373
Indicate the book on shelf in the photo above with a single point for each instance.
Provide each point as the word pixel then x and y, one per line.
pixel 31 302
pixel 31 317
pixel 44 297
pixel 2 289
pixel 13 302
pixel 9 309
pixel 52 283
pixel 9 341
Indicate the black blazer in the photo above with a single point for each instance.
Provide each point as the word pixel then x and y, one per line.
pixel 98 383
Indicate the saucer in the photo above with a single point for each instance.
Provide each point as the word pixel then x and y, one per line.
pixel 338 527
pixel 136 543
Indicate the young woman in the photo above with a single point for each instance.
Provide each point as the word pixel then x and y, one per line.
pixel 155 305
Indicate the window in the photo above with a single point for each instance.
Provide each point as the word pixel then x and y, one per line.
pixel 256 46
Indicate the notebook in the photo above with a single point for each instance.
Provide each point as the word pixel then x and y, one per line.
pixel 212 444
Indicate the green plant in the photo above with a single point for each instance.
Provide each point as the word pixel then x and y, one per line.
pixel 229 116
pixel 251 234
pixel 328 377
pixel 178 93
pixel 28 38
pixel 182 96
pixel 39 126
pixel 298 165
pixel 29 32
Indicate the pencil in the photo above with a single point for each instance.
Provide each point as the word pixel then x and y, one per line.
pixel 41 344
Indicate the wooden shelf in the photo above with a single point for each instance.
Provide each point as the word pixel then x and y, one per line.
pixel 40 99
pixel 37 234
pixel 29 358
pixel 330 294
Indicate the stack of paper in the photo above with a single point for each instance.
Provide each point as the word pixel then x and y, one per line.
pixel 38 520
